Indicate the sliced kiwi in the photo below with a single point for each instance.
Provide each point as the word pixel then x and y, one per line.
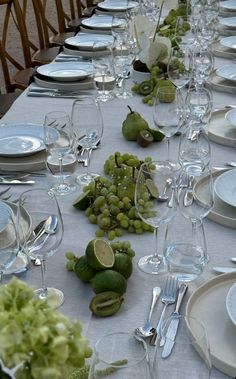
pixel 146 87
pixel 145 138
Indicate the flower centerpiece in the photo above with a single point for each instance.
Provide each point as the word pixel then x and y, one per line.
pixel 152 48
pixel 42 342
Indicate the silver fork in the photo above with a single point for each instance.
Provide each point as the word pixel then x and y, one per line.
pixel 168 297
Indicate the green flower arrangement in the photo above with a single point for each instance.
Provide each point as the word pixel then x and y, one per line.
pixel 43 342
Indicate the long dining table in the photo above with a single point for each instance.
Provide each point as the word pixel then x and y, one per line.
pixel 221 239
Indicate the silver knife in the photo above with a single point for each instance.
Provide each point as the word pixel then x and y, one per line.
pixel 223 270
pixel 51 94
pixel 15 181
pixel 173 327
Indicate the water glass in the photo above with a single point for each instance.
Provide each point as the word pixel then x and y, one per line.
pixel 120 355
pixel 185 35
pixel 199 104
pixel 190 351
pixel 120 27
pixel 123 59
pixel 104 74
pixel 185 254
pixel 60 156
pixel 179 67
pixel 9 241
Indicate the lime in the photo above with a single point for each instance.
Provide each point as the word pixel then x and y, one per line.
pixel 123 264
pixel 83 201
pixel 109 280
pixel 99 254
pixel 83 270
pixel 157 135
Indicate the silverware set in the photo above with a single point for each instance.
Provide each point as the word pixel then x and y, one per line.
pixel 51 92
pixel 172 293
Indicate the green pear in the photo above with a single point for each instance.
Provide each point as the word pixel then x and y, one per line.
pixel 132 125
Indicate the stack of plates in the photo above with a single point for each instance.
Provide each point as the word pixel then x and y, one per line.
pixel 83 44
pixel 65 76
pixel 98 23
pixel 227 25
pixel 224 79
pixel 225 187
pixel 225 48
pixel 22 146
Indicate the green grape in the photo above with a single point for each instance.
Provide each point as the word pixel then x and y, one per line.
pixel 120 216
pixel 93 219
pixel 119 232
pixel 111 235
pixel 130 252
pixel 124 223
pixel 99 202
pixel 116 245
pixel 100 233
pixel 70 265
pixel 139 231
pixel 104 222
pixel 126 245
pixel 70 255
pixel 106 212
pixel 88 211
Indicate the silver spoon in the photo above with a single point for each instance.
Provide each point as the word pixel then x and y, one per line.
pixel 147 330
pixel 49 228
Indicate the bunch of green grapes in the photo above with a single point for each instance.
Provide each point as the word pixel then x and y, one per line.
pixel 109 203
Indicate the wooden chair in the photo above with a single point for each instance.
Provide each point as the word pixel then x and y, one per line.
pixel 78 10
pixel 23 66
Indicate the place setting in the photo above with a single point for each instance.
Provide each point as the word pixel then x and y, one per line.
pixel 222 126
pixel 223 79
pixel 22 146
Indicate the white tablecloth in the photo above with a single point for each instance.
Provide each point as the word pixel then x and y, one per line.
pixel 78 231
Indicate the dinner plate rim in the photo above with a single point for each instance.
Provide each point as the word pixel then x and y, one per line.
pixel 227 117
pixel 216 183
pixel 87 22
pixel 223 21
pixel 105 37
pixel 115 8
pixel 222 5
pixel 220 69
pixel 47 68
pixel 230 298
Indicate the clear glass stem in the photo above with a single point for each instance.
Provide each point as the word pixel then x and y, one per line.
pixel 88 156
pixel 62 183
pixel 155 255
pixel 1 277
pixel 168 148
pixel 44 292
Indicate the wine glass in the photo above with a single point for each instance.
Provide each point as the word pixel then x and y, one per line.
pixel 203 64
pixel 104 74
pixel 194 149
pixel 155 205
pixel 123 59
pixel 199 104
pixel 87 124
pixel 179 68
pixel 47 242
pixel 9 241
pixel 60 157
pixel 185 35
pixel 190 348
pixel 120 27
pixel 168 115
pixel 120 355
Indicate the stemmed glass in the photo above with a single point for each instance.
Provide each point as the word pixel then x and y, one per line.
pixel 47 241
pixel 185 35
pixel 104 74
pixel 120 27
pixel 190 349
pixel 123 59
pixel 168 115
pixel 155 205
pixel 120 355
pixel 179 68
pixel 60 157
pixel 87 124
pixel 203 64
pixel 9 241
pixel 199 104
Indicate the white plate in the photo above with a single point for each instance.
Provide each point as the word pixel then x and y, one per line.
pixel 229 42
pixel 113 5
pixel 221 213
pixel 231 117
pixel 231 303
pixel 228 4
pixel 207 304
pixel 227 72
pixel 86 41
pixel 19 140
pixel 229 22
pixel 225 187
pixel 220 130
pixel 64 72
pixel 98 22
pixel 220 84
pixel 5 212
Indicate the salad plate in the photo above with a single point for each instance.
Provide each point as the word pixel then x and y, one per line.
pixel 207 304
pixel 229 42
pixel 18 140
pixel 227 72
pixel 98 22
pixel 229 22
pixel 231 303
pixel 64 72
pixel 86 41
pixel 228 5
pixel 220 130
pixel 225 187
pixel 112 5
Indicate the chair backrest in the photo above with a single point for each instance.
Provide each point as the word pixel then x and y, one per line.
pixel 12 18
